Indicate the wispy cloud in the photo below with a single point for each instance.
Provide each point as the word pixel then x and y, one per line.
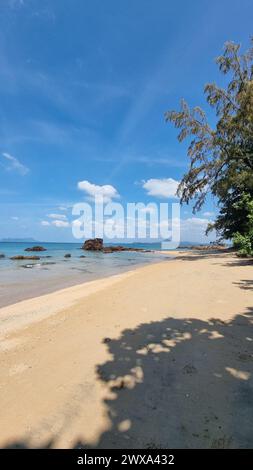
pixel 60 223
pixel 16 3
pixel 135 158
pixel 56 223
pixel 46 14
pixel 14 164
pixel 57 216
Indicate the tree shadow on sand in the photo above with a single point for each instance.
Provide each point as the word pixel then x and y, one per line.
pixel 176 383
pixel 180 383
pixel 245 284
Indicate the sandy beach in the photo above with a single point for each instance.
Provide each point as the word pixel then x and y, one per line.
pixel 157 357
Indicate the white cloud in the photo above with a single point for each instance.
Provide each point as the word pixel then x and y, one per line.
pixel 63 208
pixel 57 216
pixel 193 229
pixel 15 165
pixel 208 214
pixel 106 192
pixel 60 223
pixel 192 223
pixel 56 223
pixel 76 223
pixel 163 188
pixel 195 222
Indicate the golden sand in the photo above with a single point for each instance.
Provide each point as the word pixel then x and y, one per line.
pixel 161 356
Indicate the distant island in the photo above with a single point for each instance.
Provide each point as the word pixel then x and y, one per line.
pixel 18 240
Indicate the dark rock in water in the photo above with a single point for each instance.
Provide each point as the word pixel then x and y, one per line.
pixel 82 256
pixel 2 256
pixel 68 255
pixel 113 248
pixel 94 244
pixel 36 248
pixel 22 257
pixel 117 248
pixel 189 369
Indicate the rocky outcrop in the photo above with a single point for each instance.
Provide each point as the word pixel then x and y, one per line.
pixel 2 256
pixel 68 255
pixel 36 248
pixel 96 244
pixel 113 248
pixel 116 248
pixel 22 257
pixel 93 244
pixel 207 247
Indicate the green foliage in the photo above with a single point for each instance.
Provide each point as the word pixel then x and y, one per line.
pixel 236 215
pixel 221 158
pixel 243 243
pixel 243 238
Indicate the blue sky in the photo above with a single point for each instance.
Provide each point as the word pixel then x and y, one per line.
pixel 84 85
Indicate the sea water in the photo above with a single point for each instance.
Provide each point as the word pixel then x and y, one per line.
pixel 27 278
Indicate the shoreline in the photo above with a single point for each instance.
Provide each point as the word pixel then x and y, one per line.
pixel 96 365
pixel 43 305
pixel 44 283
pixel 15 291
pixel 51 303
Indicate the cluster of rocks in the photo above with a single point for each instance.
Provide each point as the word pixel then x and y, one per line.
pixel 97 244
pixel 36 248
pixel 93 244
pixel 212 246
pixel 113 248
pixel 30 258
pixel 33 257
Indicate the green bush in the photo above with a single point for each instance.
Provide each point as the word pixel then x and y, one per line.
pixel 244 243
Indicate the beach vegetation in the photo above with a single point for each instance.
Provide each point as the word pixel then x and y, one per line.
pixel 221 156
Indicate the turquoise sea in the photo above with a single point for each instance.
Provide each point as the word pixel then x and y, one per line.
pixel 23 279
